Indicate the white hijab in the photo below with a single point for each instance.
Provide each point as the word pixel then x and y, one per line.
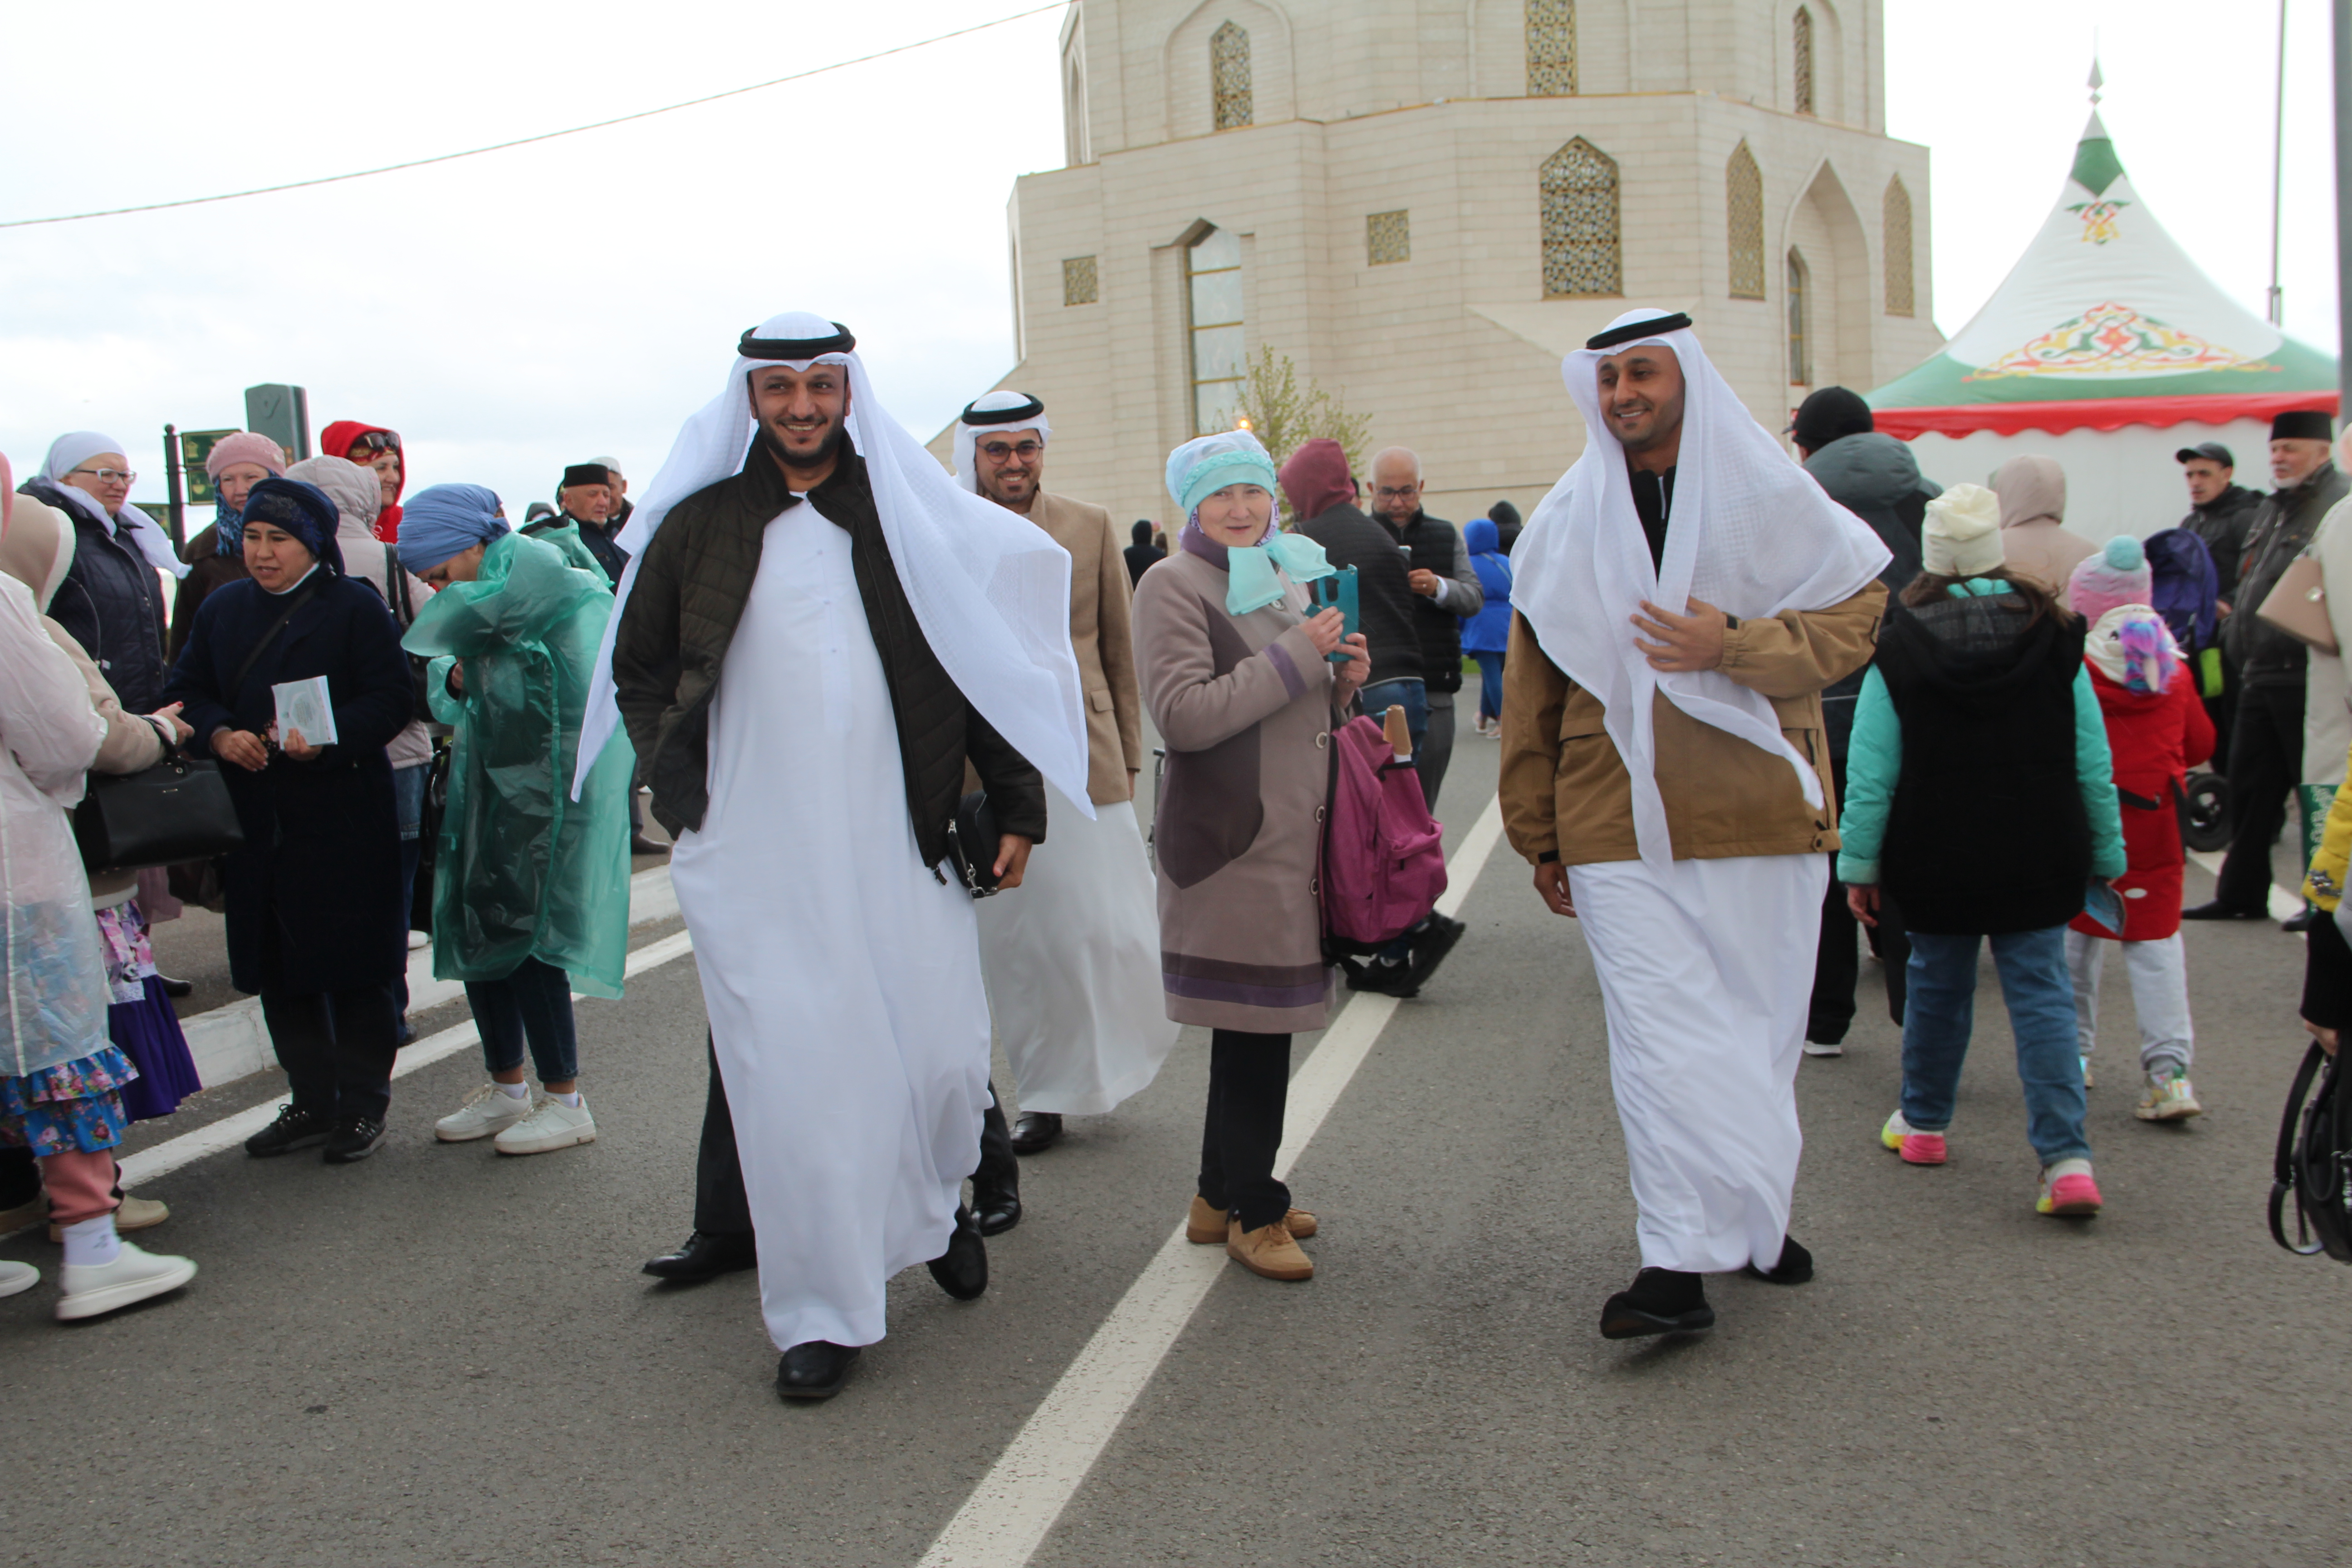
pixel 70 452
pixel 1752 535
pixel 989 589
pixel 967 435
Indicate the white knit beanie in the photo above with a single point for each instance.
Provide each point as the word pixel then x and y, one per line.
pixel 1962 536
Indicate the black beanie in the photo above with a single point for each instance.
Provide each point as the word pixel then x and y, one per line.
pixel 1828 414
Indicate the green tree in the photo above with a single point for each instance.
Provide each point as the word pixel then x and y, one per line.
pixel 1286 415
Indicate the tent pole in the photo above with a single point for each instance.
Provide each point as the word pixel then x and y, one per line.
pixel 2278 162
pixel 2343 9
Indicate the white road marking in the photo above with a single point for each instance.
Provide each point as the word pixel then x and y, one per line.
pixel 1007 1517
pixel 2284 906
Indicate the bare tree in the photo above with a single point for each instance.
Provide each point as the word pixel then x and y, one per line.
pixel 1286 415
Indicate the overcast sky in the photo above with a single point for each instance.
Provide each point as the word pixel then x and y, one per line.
pixel 513 313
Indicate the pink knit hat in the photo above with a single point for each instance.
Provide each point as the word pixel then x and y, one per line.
pixel 245 447
pixel 2118 574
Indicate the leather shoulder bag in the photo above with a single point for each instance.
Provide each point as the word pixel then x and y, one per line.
pixel 2298 604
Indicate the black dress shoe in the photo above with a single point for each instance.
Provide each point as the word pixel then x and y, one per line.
pixel 1036 1132
pixel 963 1269
pixel 353 1140
pixel 813 1368
pixel 2218 910
pixel 293 1129
pixel 1431 945
pixel 1660 1301
pixel 1795 1268
pixel 174 988
pixel 706 1256
pixel 2301 922
pixel 640 845
pixel 998 1208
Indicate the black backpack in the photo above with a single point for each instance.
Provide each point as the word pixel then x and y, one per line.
pixel 2315 1160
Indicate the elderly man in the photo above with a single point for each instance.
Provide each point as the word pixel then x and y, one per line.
pixel 1073 961
pixel 2267 730
pixel 622 510
pixel 1446 593
pixel 820 632
pixel 1675 623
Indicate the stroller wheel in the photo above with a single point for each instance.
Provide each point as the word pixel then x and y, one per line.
pixel 2205 812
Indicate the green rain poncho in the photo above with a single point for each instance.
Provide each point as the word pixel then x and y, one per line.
pixel 521 871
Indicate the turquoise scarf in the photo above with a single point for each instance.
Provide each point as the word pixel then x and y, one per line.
pixel 1250 582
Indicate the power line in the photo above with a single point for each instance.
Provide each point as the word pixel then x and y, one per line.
pixel 543 136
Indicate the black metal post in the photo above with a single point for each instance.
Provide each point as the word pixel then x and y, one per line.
pixel 2343 207
pixel 171 480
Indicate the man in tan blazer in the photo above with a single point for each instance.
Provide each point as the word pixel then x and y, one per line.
pixel 1072 958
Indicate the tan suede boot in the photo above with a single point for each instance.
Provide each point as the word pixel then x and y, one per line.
pixel 1205 1226
pixel 1268 1250
pixel 135 1213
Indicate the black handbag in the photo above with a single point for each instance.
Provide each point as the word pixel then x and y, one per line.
pixel 972 838
pixel 2314 1165
pixel 177 810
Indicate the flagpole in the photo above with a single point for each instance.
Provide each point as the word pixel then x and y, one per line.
pixel 2278 159
pixel 2343 205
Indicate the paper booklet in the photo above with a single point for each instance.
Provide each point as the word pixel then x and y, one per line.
pixel 303 705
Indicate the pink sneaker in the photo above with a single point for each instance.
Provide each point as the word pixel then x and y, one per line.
pixel 1917 1148
pixel 2068 1191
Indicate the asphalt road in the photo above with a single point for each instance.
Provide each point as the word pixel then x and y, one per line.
pixel 442 1356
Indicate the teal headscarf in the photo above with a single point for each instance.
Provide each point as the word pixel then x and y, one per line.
pixel 1207 464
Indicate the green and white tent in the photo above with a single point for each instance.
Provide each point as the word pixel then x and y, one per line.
pixel 2106 348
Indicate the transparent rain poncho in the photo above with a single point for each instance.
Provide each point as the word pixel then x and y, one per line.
pixel 521 869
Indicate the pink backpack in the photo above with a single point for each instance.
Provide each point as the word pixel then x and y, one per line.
pixel 1383 855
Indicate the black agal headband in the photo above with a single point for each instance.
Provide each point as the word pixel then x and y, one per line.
pixel 1655 326
pixel 751 347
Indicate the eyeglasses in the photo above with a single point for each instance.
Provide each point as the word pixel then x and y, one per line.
pixel 377 441
pixel 1396 492
pixel 1000 451
pixel 111 476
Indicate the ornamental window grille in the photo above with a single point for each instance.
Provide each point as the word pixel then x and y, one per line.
pixel 1801 304
pixel 1802 40
pixel 1212 288
pixel 1078 284
pixel 1897 230
pixel 1743 185
pixel 1388 236
pixel 1580 253
pixel 1229 75
pixel 1552 48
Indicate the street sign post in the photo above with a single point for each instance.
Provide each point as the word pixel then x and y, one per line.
pixel 195 446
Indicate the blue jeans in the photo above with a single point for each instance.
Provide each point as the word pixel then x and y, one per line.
pixel 2040 999
pixel 1490 685
pixel 535 1002
pixel 1414 696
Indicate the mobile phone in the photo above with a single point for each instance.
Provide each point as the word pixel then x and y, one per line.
pixel 1338 592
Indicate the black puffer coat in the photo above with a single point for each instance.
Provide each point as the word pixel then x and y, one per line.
pixel 112 603
pixel 693 582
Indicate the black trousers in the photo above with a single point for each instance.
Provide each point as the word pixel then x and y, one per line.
pixel 1436 752
pixel 337 1047
pixel 2265 764
pixel 1249 1086
pixel 721 1207
pixel 1837 966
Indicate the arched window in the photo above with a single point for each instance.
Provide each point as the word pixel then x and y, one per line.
pixel 1801 304
pixel 1075 149
pixel 1897 230
pixel 1212 278
pixel 1228 75
pixel 1802 53
pixel 1743 196
pixel 1552 48
pixel 1580 222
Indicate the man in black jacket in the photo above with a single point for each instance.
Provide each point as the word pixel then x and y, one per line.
pixel 1445 591
pixel 2266 731
pixel 2221 513
pixel 806 745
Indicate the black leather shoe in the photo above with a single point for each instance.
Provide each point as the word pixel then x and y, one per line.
pixel 1036 1132
pixel 1795 1268
pixel 2301 922
pixel 2218 910
pixel 640 845
pixel 1430 946
pixel 293 1129
pixel 1660 1301
pixel 706 1256
pixel 963 1269
pixel 174 988
pixel 813 1368
pixel 998 1210
pixel 353 1140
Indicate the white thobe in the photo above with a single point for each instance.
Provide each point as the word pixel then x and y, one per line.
pixel 1706 975
pixel 1072 958
pixel 841 977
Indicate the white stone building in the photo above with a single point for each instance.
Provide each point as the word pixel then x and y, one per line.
pixel 1426 202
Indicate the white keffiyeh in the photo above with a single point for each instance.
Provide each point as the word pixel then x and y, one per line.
pixel 1752 534
pixel 967 435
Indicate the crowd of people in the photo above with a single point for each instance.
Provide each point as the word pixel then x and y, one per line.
pixel 1748 711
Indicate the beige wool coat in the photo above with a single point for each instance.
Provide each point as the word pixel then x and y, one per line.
pixel 1243 703
pixel 1102 637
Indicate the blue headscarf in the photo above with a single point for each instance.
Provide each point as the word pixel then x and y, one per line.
pixel 303 510
pixel 442 521
pixel 228 529
pixel 1207 464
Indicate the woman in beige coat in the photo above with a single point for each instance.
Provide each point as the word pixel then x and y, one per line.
pixel 1238 678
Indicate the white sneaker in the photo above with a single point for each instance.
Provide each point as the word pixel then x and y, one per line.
pixel 2088 1081
pixel 554 1125
pixel 17 1278
pixel 418 941
pixel 1815 1048
pixel 2167 1098
pixel 93 1288
pixel 487 1112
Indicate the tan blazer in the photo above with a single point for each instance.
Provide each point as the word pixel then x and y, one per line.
pixel 1102 635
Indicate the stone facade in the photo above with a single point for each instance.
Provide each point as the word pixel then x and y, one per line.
pixel 1415 113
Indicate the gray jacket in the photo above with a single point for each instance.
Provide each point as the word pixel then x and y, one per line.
pixel 2282 530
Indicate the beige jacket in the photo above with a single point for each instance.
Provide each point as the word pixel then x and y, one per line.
pixel 1103 637
pixel 1565 790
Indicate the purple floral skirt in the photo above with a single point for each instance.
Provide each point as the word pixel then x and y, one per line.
pixel 141 1020
pixel 75 1107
